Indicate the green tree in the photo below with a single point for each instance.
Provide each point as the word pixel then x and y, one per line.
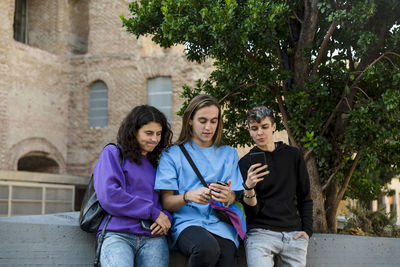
pixel 330 69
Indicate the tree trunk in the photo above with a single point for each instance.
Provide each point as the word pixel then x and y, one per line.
pixel 330 207
pixel 306 38
pixel 319 224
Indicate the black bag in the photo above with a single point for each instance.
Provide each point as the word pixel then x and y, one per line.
pixel 92 214
pixel 220 213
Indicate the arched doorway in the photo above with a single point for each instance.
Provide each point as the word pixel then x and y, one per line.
pixel 38 162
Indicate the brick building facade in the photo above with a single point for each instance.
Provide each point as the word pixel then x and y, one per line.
pixel 52 52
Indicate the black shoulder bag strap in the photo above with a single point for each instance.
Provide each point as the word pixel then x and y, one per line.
pixel 103 231
pixel 189 159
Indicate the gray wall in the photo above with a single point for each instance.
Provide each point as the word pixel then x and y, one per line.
pixel 56 240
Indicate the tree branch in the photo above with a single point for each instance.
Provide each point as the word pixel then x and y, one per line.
pixel 347 180
pixel 297 17
pixel 233 91
pixel 388 58
pixel 363 71
pixel 392 53
pixel 323 46
pixel 307 155
pixel 285 118
pixel 331 177
pixel 279 52
pixel 330 118
pixel 356 87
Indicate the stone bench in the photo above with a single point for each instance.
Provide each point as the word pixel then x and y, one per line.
pixel 56 240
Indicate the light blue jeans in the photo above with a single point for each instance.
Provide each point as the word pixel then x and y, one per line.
pixel 262 245
pixel 128 250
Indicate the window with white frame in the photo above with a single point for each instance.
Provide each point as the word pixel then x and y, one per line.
pixel 159 95
pixel 98 104
pixel 35 198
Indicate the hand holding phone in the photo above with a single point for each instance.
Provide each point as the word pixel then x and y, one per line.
pixel 220 191
pixel 146 224
pixel 159 227
pixel 258 169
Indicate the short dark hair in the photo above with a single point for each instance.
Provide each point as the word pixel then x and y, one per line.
pixel 259 113
pixel 198 102
pixel 126 138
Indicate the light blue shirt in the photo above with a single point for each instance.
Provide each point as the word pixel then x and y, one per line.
pixel 175 173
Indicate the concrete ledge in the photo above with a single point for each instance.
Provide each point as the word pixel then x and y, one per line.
pixel 352 251
pixel 44 240
pixel 56 240
pixel 38 177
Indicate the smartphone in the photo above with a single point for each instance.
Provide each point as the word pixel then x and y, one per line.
pixel 146 224
pixel 258 157
pixel 221 183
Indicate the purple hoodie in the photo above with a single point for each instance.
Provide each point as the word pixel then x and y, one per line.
pixel 126 193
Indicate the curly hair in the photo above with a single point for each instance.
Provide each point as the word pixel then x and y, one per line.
pixel 126 138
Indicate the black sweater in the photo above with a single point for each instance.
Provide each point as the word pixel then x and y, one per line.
pixel 283 197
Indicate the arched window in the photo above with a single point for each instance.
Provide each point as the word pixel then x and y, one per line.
pixel 159 95
pixel 98 104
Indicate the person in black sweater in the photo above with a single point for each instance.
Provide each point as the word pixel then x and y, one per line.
pixel 276 197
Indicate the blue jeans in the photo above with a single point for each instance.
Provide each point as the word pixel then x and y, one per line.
pixel 128 250
pixel 262 245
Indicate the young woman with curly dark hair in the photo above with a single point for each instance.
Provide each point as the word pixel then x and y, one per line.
pixel 126 191
pixel 127 139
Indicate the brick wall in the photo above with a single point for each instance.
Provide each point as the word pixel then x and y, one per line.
pixel 6 18
pixel 36 99
pixel 3 123
pixel 44 85
pixel 42 18
pixel 126 77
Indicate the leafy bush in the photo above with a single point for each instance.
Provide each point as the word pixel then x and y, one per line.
pixel 371 223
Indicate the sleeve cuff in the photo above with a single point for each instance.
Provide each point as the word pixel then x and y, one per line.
pixel 154 214
pixel 169 215
pixel 309 233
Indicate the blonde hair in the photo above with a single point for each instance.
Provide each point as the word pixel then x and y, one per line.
pixel 199 102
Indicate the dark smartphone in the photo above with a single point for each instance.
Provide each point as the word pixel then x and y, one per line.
pixel 221 183
pixel 146 224
pixel 258 157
